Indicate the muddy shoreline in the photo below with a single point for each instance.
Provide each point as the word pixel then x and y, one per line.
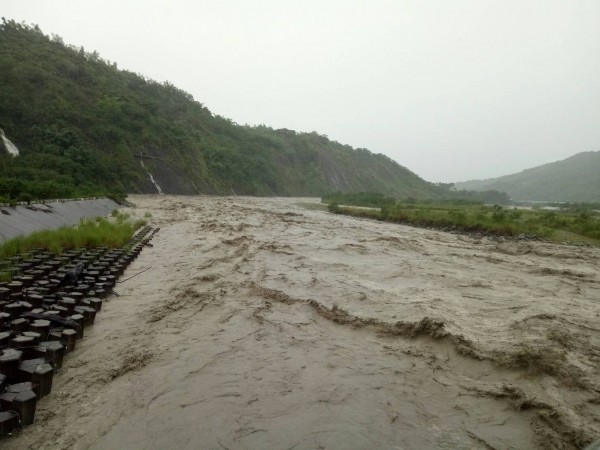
pixel 260 324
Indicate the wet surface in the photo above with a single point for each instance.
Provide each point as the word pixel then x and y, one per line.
pixel 260 324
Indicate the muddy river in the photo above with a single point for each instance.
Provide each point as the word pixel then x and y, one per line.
pixel 255 323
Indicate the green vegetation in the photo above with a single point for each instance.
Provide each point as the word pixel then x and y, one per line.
pixel 444 194
pixel 470 217
pixel 368 199
pixel 577 208
pixel 313 206
pixel 574 179
pixel 83 127
pixel 89 234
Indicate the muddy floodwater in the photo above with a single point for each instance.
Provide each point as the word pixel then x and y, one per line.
pixel 255 323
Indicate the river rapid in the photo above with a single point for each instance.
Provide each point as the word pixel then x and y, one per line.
pixel 257 323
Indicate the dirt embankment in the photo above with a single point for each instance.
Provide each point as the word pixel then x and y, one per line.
pixel 26 219
pixel 259 324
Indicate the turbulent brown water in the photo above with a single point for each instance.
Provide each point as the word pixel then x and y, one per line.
pixel 260 324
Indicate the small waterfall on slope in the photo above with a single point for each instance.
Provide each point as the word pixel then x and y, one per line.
pixel 9 146
pixel 160 192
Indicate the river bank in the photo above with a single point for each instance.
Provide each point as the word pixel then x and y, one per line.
pixel 25 219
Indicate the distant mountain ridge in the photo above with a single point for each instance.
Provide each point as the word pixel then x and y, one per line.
pixel 574 179
pixel 82 126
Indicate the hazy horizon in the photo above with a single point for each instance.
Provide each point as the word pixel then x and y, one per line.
pixel 453 91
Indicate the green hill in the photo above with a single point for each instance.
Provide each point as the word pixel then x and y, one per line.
pixel 575 179
pixel 84 127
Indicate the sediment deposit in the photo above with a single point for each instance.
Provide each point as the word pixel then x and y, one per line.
pixel 257 323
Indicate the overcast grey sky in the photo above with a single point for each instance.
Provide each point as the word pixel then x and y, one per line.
pixel 451 89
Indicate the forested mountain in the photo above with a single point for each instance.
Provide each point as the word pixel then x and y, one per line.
pixel 82 126
pixel 575 179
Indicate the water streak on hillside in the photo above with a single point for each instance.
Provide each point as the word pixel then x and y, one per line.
pixel 160 191
pixel 8 145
